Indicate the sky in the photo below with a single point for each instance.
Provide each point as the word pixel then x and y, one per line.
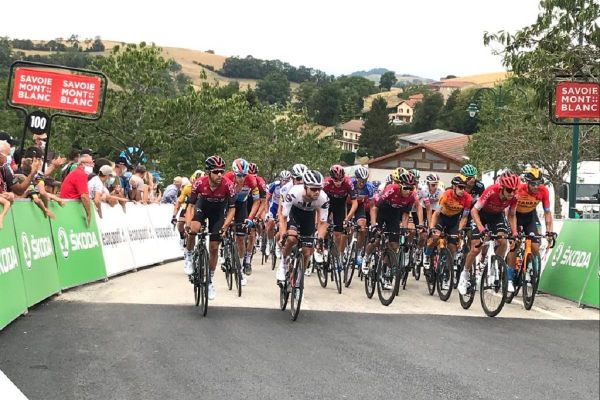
pixel 428 38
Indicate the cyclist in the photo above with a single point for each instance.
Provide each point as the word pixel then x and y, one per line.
pixel 338 188
pixel 212 198
pixel 529 195
pixel 298 217
pixel 297 172
pixel 273 197
pixel 451 216
pixel 488 216
pixel 262 196
pixel 245 186
pixel 393 209
pixel 181 203
pixel 429 195
pixel 474 186
pixel 364 191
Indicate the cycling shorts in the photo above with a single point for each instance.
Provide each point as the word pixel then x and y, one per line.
pixel 302 221
pixel 360 212
pixel 495 223
pixel 389 218
pixel 337 209
pixel 215 213
pixel 449 225
pixel 529 221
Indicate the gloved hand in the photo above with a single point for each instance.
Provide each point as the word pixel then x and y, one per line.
pixel 249 223
pixel 174 220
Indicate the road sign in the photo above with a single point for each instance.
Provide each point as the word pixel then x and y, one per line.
pixel 577 100
pixel 38 122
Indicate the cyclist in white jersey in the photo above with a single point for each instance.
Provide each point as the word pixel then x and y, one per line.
pixel 298 216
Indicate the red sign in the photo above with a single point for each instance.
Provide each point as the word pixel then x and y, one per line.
pixel 62 91
pixel 577 100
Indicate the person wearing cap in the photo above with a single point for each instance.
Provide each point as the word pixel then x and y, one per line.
pixel 172 191
pixel 18 187
pixel 138 190
pixel 12 142
pixel 123 175
pixel 97 187
pixel 75 185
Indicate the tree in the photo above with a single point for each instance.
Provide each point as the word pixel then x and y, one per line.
pixel 327 104
pixel 454 117
pixel 377 136
pixel 427 112
pixel 387 80
pixel 274 89
pixel 551 46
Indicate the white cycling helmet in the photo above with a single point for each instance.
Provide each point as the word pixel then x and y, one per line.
pixel 361 172
pixel 285 175
pixel 298 170
pixel 432 178
pixel 313 178
pixel 388 179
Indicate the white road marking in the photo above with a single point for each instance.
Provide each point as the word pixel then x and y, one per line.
pixel 8 389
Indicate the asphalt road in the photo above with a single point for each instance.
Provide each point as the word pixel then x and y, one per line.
pixel 138 337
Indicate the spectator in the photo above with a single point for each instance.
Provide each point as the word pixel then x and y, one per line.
pixel 138 189
pixel 172 191
pixel 71 164
pixel 75 185
pixel 5 197
pixel 11 143
pixel 121 167
pixel 37 190
pixel 39 141
pixel 8 174
pixel 97 187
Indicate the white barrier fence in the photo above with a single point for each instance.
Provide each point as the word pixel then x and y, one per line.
pixel 139 236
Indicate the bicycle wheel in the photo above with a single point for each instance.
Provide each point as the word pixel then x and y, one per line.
pixel 387 277
pixel 350 264
pixel 273 256
pixel 322 269
pixel 418 259
pixel 297 286
pixel 517 280
pixel 336 269
pixel 228 273
pixel 284 294
pixel 530 281
pixel 431 273
pixel 197 279
pixel 404 265
pixel 467 300
pixel 236 269
pixel 494 282
pixel 459 265
pixel 371 276
pixel 445 275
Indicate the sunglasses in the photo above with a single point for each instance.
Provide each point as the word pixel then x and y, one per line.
pixel 240 175
pixel 433 184
pixel 461 187
pixel 534 183
pixel 298 178
pixel 509 190
pixel 313 189
pixel 217 171
pixel 408 187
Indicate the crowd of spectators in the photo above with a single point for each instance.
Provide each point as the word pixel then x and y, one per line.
pixel 82 177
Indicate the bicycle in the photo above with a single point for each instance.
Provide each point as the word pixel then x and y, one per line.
pixel 350 253
pixel 494 281
pixel 231 264
pixel 389 269
pixel 200 276
pixel 460 256
pixel 294 278
pixel 410 260
pixel 441 271
pixel 526 272
pixel 332 264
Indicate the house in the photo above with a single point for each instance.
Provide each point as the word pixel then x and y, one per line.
pixel 433 135
pixel 444 157
pixel 348 134
pixel 404 111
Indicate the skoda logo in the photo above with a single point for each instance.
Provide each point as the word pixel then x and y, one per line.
pixel 556 254
pixel 63 242
pixel 26 249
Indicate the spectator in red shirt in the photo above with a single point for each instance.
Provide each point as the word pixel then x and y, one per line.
pixel 75 184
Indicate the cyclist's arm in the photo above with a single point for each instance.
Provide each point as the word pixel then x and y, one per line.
pixel 373 212
pixel 228 218
pixel 476 219
pixel 352 210
pixel 434 218
pixel 549 221
pixel 463 220
pixel 419 212
pixel 404 221
pixel 429 211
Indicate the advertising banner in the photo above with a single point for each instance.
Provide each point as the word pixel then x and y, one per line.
pixel 77 247
pixel 117 253
pixel 56 90
pixel 160 217
pixel 572 267
pixel 145 246
pixel 12 290
pixel 36 252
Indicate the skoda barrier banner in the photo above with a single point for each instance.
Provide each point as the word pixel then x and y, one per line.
pixel 36 252
pixel 142 238
pixel 572 267
pixel 77 247
pixel 118 257
pixel 12 290
pixel 160 217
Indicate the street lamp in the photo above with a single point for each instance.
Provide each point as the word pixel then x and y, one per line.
pixel 499 98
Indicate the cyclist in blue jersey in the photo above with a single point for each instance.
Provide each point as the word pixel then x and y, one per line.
pixel 365 191
pixel 273 199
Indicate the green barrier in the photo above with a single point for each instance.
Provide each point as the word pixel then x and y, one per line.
pixel 78 248
pixel 572 268
pixel 12 290
pixel 36 254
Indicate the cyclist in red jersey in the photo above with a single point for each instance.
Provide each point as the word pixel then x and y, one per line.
pixel 338 188
pixel 488 216
pixel 260 212
pixel 212 198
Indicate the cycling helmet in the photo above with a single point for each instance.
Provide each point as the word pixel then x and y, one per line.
pixel 388 179
pixel 459 180
pixel 395 175
pixel 252 169
pixel 415 173
pixel 336 172
pixel 197 174
pixel 298 170
pixel 509 180
pixel 285 175
pixel 469 171
pixel 361 172
pixel 185 181
pixel 432 178
pixel 214 162
pixel 407 178
pixel 313 178
pixel 532 174
pixel 239 166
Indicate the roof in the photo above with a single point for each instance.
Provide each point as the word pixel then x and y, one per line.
pixel 450 149
pixel 354 125
pixel 433 135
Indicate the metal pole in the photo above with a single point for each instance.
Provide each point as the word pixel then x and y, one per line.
pixel 573 177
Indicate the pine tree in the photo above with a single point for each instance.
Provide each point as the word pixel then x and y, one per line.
pixel 377 136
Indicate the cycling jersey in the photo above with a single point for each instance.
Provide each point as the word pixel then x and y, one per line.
pixel 262 187
pixel 248 188
pixel 366 193
pixel 392 197
pixel 490 201
pixel 273 192
pixel 451 204
pixel 527 202
pixel 345 189
pixel 223 193
pixel 428 198
pixel 184 195
pixel 295 198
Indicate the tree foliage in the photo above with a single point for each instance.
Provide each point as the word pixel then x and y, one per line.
pixel 255 68
pixel 427 112
pixel 274 89
pixel 377 136
pixel 387 80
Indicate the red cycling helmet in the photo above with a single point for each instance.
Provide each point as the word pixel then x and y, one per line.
pixel 509 180
pixel 252 169
pixel 407 178
pixel 337 172
pixel 214 162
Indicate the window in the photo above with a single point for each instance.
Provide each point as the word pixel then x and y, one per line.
pixel 423 165
pixel 431 156
pixel 440 165
pixel 407 164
